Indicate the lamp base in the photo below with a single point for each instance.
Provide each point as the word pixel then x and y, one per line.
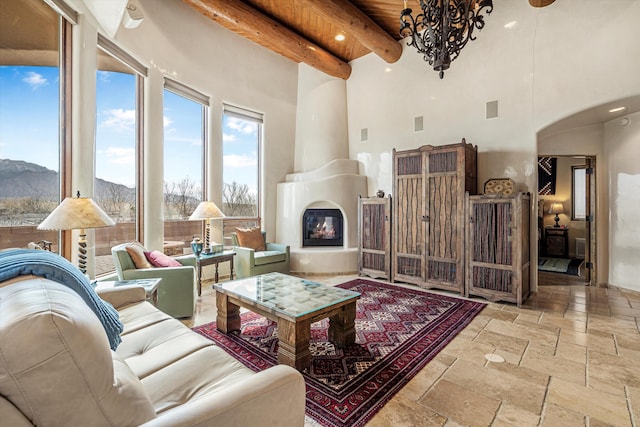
pixel 557 219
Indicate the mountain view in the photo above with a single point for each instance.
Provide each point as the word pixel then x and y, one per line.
pixel 29 180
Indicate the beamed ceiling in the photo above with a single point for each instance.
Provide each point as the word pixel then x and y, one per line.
pixel 300 30
pixel 306 30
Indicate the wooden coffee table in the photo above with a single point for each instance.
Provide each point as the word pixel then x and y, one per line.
pixel 293 303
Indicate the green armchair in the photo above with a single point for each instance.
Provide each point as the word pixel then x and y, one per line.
pixel 249 262
pixel 176 292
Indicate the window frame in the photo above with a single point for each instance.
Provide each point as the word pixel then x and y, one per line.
pixel 140 72
pixel 256 117
pixel 191 94
pixel 574 199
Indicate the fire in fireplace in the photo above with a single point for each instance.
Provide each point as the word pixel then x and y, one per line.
pixel 322 227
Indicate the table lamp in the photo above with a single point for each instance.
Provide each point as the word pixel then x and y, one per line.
pixel 206 211
pixel 77 213
pixel 556 208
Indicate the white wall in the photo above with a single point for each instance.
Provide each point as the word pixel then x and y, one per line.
pixel 622 150
pixel 175 41
pixel 553 62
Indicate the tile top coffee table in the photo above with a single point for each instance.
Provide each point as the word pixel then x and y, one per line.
pixel 293 303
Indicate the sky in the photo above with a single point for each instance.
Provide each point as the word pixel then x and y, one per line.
pixel 29 128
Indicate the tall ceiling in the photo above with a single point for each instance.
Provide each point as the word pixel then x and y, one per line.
pixel 306 30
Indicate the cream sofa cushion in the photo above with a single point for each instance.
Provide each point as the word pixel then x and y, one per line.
pixel 57 366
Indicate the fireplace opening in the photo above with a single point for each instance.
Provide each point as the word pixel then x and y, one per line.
pixel 322 227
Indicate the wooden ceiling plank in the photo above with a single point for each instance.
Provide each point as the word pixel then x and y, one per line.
pixel 357 24
pixel 241 18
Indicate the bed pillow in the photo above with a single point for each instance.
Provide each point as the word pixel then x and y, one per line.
pixel 158 259
pixel 251 238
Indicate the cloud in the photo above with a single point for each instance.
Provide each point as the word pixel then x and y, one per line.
pixel 191 141
pixel 227 137
pixel 119 119
pixel 120 156
pixel 241 126
pixel 35 80
pixel 166 121
pixel 239 161
pixel 104 76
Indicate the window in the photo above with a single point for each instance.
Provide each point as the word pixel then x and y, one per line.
pixel 578 193
pixel 119 83
pixel 242 134
pixel 185 112
pixel 32 79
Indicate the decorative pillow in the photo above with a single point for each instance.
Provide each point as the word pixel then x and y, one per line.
pixel 251 238
pixel 158 259
pixel 136 252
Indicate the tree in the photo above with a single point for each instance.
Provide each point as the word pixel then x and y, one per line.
pixel 238 200
pixel 181 198
pixel 114 198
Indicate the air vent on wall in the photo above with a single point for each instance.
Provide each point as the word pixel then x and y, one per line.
pixel 492 109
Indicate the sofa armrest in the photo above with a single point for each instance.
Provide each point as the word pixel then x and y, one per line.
pixel 187 260
pixel 168 274
pixel 122 295
pixel 277 247
pixel 247 254
pixel 273 397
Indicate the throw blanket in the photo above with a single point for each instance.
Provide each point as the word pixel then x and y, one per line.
pixel 18 262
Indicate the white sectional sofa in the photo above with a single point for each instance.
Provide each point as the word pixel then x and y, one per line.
pixel 57 368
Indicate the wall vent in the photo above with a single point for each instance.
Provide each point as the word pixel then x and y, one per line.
pixel 492 109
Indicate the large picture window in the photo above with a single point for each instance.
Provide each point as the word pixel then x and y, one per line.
pixel 119 83
pixel 242 134
pixel 185 112
pixel 31 113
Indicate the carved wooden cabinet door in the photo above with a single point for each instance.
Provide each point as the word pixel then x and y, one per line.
pixel 497 251
pixel 374 237
pixel 409 225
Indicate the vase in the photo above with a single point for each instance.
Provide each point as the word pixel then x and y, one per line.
pixel 196 246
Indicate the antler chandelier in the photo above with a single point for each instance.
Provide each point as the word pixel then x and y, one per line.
pixel 443 28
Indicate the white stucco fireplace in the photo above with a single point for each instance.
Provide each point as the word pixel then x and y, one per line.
pixel 324 177
pixel 336 185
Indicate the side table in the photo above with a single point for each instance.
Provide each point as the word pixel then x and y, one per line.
pixel 150 286
pixel 556 242
pixel 213 259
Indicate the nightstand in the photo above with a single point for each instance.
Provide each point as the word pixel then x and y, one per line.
pixel 556 242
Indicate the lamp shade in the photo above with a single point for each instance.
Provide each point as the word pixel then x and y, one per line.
pixel 76 213
pixel 556 208
pixel 206 210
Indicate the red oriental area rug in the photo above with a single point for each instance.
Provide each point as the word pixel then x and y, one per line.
pixel 399 331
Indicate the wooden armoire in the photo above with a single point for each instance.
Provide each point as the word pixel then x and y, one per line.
pixel 374 237
pixel 429 185
pixel 497 247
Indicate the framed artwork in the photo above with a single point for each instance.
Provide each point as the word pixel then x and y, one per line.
pixel 547 168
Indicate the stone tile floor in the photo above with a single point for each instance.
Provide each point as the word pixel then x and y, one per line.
pixel 570 356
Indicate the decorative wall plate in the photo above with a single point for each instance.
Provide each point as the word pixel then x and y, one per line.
pixel 500 186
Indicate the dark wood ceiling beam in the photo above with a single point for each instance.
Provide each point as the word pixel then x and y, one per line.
pixel 247 21
pixel 540 3
pixel 356 23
